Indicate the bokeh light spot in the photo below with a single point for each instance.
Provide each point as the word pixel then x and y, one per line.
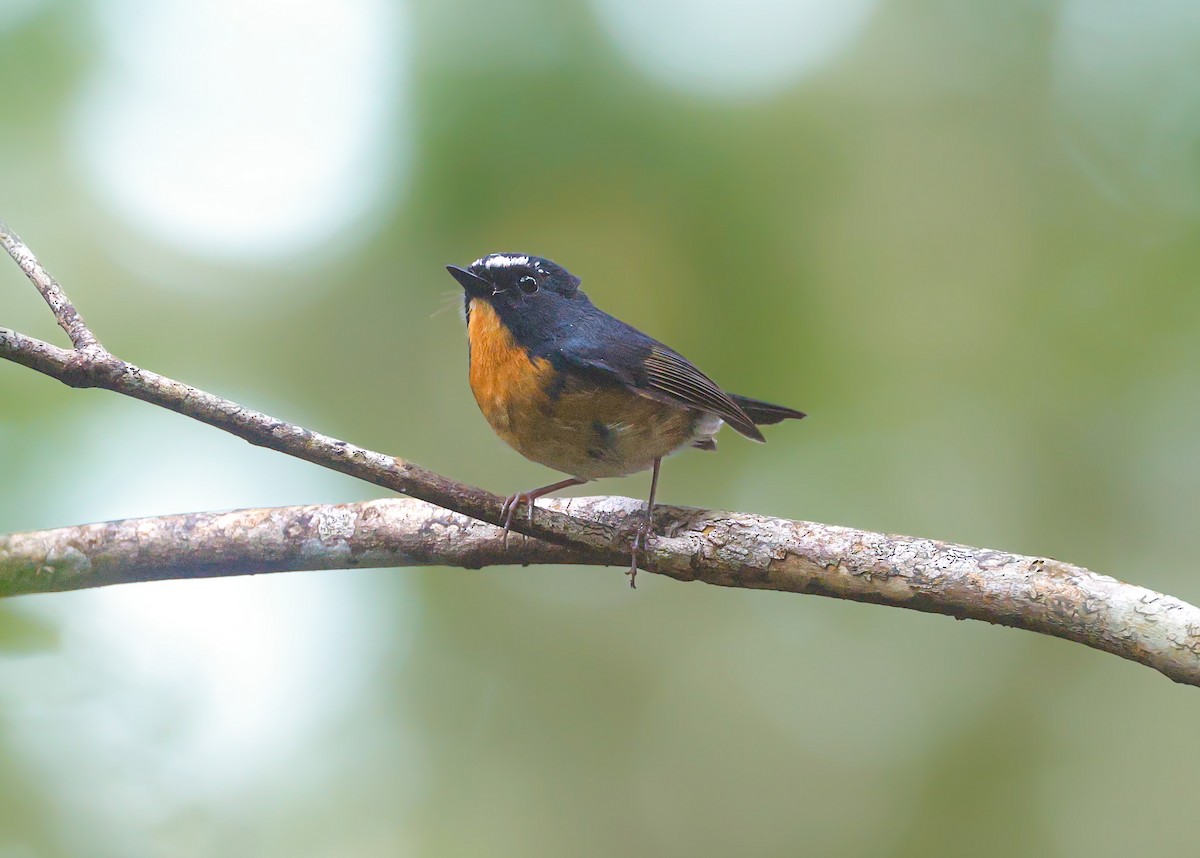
pixel 241 129
pixel 1127 83
pixel 731 50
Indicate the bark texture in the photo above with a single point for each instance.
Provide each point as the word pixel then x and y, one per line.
pixel 722 548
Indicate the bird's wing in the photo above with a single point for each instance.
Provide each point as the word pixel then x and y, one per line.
pixel 670 373
pixel 616 353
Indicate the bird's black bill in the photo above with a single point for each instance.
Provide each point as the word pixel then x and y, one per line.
pixel 475 285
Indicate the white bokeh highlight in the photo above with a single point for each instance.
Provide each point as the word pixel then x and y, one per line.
pixel 722 49
pixel 244 129
pixel 1126 80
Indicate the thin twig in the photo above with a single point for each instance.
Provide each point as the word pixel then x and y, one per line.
pixel 64 311
pixel 726 549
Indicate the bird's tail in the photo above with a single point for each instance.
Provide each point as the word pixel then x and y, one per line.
pixel 764 413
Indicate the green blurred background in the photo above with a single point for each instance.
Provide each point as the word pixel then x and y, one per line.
pixel 962 235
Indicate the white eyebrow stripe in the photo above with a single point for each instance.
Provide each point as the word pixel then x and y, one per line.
pixel 500 260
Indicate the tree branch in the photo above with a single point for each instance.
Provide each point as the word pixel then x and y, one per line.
pixel 726 549
pixel 369 534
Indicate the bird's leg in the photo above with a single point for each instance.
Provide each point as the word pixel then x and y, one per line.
pixel 643 534
pixel 510 505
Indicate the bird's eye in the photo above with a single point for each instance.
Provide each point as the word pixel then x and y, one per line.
pixel 528 285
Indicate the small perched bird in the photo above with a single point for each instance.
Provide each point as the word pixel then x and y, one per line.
pixel 570 387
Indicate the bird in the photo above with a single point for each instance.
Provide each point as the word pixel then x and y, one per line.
pixel 570 387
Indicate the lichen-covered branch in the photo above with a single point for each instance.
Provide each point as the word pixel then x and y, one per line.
pixel 727 549
pixel 379 533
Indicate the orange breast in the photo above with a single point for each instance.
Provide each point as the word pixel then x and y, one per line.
pixel 508 384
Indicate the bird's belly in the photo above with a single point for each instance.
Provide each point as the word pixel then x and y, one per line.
pixel 593 433
pixel 605 432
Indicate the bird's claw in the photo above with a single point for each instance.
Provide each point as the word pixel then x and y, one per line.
pixel 639 546
pixel 509 511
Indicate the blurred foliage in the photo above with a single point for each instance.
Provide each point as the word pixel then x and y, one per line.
pixel 967 246
pixel 21 632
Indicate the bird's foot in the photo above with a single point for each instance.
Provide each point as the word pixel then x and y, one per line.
pixel 509 510
pixel 640 541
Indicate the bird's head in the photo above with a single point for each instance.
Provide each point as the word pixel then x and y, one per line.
pixel 514 279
